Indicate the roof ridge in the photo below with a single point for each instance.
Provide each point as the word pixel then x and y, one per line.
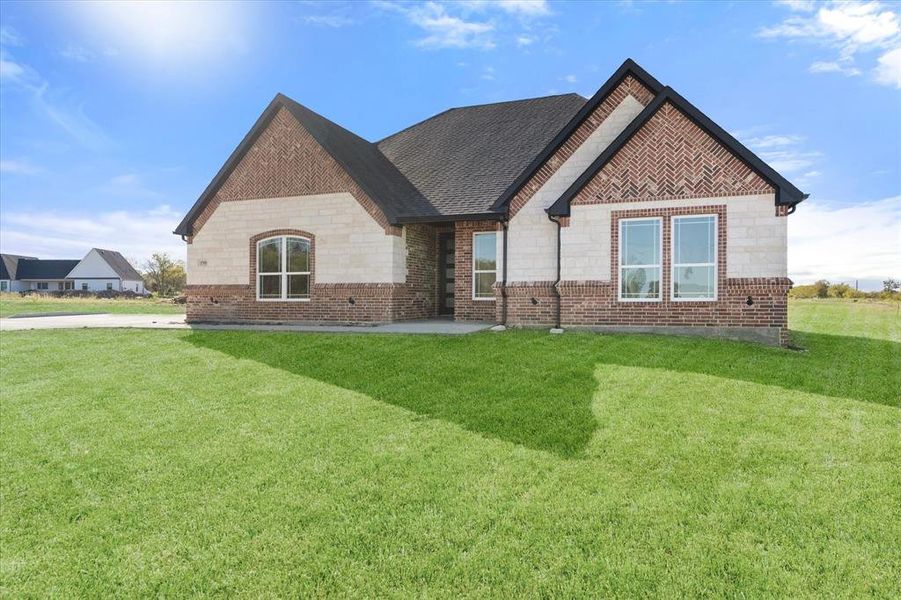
pixel 453 108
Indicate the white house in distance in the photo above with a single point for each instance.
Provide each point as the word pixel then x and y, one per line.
pixel 99 271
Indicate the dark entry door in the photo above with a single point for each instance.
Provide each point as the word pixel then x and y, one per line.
pixel 446 273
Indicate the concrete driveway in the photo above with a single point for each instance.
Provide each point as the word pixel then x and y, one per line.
pixel 92 321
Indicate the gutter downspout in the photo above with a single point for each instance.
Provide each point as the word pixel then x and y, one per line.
pixel 557 282
pixel 503 322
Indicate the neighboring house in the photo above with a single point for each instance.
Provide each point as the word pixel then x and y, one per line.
pixel 630 210
pixel 99 271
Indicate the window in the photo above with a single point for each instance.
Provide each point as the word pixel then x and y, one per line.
pixel 43 285
pixel 4 285
pixel 109 287
pixel 639 259
pixel 283 268
pixel 84 287
pixel 484 265
pixel 694 258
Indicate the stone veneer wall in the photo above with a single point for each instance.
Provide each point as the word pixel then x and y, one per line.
pixel 329 302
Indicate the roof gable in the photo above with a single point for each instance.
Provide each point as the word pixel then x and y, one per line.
pixel 629 68
pixel 360 160
pixel 727 178
pixel 9 264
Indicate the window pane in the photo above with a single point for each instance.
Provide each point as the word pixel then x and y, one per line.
pixel 298 255
pixel 484 281
pixel 694 240
pixel 270 256
pixel 640 282
pixel 640 243
pixel 693 282
pixel 298 286
pixel 270 286
pixel 485 252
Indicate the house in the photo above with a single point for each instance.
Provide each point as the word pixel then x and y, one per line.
pixel 630 210
pixel 99 271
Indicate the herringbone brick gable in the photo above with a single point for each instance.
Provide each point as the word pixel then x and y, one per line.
pixel 671 157
pixel 630 86
pixel 286 161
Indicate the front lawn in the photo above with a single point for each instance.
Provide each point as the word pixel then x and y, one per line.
pixel 15 304
pixel 177 463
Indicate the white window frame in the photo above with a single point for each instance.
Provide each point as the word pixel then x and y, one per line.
pixel 283 272
pixel 714 264
pixel 477 271
pixel 620 267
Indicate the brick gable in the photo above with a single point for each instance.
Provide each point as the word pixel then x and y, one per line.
pixel 285 161
pixel 630 86
pixel 671 157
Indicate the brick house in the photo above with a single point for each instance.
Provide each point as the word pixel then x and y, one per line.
pixel 630 211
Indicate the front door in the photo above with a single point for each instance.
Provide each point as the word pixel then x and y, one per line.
pixel 446 273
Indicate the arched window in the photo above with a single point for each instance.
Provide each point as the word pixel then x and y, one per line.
pixel 283 268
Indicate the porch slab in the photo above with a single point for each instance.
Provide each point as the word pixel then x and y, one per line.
pixel 422 326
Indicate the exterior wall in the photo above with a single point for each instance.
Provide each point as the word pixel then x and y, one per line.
pixel 52 285
pixel 670 167
pixel 93 266
pixel 343 301
pixel 757 237
pixel 98 285
pixel 466 308
pixel 351 246
pixel 285 161
pixel 133 286
pixel 532 236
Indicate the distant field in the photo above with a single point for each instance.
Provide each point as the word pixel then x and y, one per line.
pixel 14 304
pixel 517 464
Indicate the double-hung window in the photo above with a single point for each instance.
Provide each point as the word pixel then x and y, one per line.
pixel 640 269
pixel 283 268
pixel 484 265
pixel 694 258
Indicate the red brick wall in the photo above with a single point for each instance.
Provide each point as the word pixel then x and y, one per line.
pixel 595 303
pixel 671 157
pixel 329 302
pixel 284 161
pixel 465 308
pixel 629 86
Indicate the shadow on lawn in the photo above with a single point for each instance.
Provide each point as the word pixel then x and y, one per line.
pixel 529 388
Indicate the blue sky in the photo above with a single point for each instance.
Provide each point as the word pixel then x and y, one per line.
pixel 114 117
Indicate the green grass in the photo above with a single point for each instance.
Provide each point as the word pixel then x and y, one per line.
pixel 237 463
pixel 14 304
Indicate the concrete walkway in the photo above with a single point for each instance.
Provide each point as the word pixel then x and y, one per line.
pixel 92 321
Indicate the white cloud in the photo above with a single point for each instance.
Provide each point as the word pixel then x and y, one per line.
pixel 135 234
pixel 334 21
pixel 798 5
pixel 790 160
pixel 128 185
pixel 18 167
pixel 888 71
pixel 488 73
pixel 570 78
pixel 525 40
pixel 469 23
pixel 784 152
pixel 851 29
pixel 772 141
pixel 833 67
pixel 77 53
pixel 843 243
pixel 10 70
pixel 10 37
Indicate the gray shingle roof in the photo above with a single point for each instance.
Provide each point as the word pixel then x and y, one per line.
pixel 464 158
pixel 9 264
pixel 44 269
pixel 119 264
